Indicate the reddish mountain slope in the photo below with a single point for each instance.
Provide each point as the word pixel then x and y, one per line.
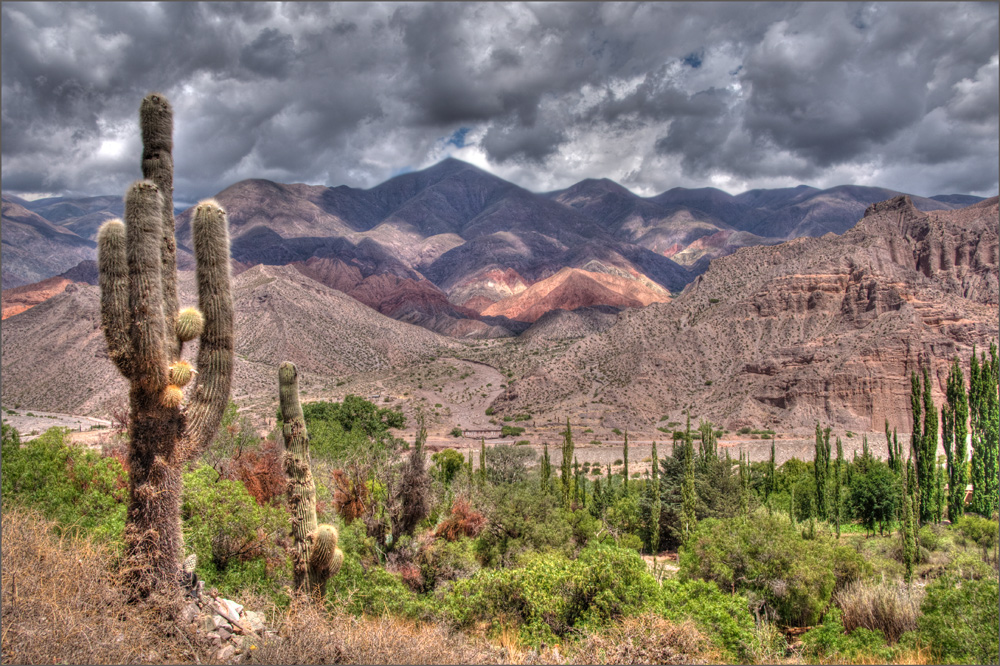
pixel 17 300
pixel 572 288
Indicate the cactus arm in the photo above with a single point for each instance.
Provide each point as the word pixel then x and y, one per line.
pixel 210 395
pixel 114 282
pixel 156 124
pixel 142 234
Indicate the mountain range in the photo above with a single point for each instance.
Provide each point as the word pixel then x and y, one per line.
pixel 770 308
pixel 442 246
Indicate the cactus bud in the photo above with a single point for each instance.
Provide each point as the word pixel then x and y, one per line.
pixel 338 560
pixel 173 396
pixel 189 324
pixel 180 373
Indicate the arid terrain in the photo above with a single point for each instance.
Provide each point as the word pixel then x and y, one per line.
pixel 449 293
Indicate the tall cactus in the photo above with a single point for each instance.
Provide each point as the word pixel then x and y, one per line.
pixel 316 556
pixel 139 314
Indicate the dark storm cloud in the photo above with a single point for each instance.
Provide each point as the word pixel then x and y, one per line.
pixel 735 95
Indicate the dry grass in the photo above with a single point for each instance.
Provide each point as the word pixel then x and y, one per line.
pixel 888 606
pixel 310 636
pixel 647 639
pixel 61 604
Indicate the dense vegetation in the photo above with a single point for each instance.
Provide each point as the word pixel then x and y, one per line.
pixel 514 546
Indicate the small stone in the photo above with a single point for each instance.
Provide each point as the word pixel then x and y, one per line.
pixel 221 622
pixel 215 637
pixel 206 623
pixel 253 621
pixel 226 652
pixel 188 613
pixel 224 633
pixel 238 641
pixel 228 609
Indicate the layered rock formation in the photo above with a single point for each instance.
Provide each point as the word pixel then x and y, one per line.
pixel 816 329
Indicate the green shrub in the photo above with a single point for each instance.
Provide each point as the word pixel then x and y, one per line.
pixel 443 561
pixel 550 594
pixel 510 431
pixel 456 432
pixel 74 486
pixel 233 536
pixel 724 618
pixel 447 464
pixel 521 520
pixel 979 531
pixel 831 644
pixel 959 620
pixel 764 555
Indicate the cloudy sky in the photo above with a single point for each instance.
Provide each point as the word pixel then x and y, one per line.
pixel 654 96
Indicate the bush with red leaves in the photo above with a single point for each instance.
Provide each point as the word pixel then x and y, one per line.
pixel 462 521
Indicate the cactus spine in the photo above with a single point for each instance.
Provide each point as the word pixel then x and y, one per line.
pixel 139 306
pixel 316 556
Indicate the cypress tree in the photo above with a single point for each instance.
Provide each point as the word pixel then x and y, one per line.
pixel 769 480
pixel 546 472
pixel 906 529
pixel 927 461
pixel 821 467
pixel 565 468
pixel 939 493
pixel 956 430
pixel 688 497
pixel 744 469
pixel 836 485
pixel 482 461
pixel 625 457
pixel 791 508
pixel 655 508
pixel 916 439
pixel 984 416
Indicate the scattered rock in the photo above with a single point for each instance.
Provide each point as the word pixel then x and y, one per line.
pixel 226 652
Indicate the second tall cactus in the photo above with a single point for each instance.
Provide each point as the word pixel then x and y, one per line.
pixel 316 556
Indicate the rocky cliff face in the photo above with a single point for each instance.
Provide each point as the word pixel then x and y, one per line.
pixel 816 329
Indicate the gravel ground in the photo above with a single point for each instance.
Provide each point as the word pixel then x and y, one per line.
pixel 30 423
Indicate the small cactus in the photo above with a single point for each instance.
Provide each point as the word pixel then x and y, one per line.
pixel 180 373
pixel 326 558
pixel 173 396
pixel 190 323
